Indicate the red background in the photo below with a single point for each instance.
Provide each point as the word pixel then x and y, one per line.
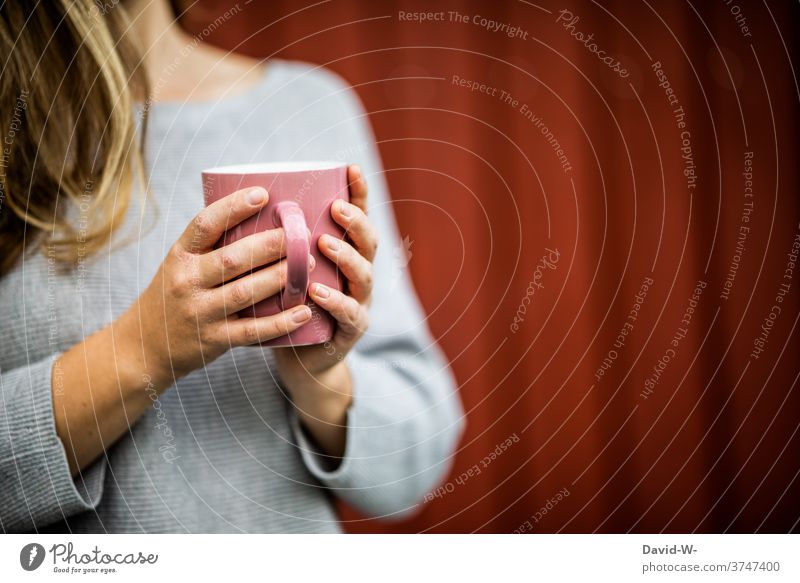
pixel 481 194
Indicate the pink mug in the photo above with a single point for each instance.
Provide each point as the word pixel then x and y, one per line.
pixel 300 199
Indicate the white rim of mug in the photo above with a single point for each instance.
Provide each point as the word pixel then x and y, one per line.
pixel 276 167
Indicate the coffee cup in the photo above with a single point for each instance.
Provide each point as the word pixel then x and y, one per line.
pixel 300 199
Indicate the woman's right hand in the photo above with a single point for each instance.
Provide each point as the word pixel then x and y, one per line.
pixel 187 315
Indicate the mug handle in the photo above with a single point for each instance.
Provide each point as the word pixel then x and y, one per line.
pixel 289 215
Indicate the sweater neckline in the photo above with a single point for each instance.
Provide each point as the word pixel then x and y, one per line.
pixel 268 78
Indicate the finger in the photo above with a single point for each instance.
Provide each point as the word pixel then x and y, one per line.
pixel 247 331
pixel 251 289
pixel 253 251
pixel 354 266
pixel 358 186
pixel 358 226
pixel 210 223
pixel 348 313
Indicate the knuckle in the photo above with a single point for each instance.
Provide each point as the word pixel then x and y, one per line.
pixel 208 313
pixel 251 332
pixel 179 264
pixel 208 336
pixel 201 225
pixel 228 332
pixel 176 255
pixel 193 277
pixel 279 326
pixel 177 281
pixel 273 239
pixel 339 304
pixel 228 262
pixel 368 276
pixel 359 221
pixel 238 294
pixel 351 310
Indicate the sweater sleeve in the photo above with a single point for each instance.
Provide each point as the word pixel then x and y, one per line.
pixel 36 486
pixel 406 417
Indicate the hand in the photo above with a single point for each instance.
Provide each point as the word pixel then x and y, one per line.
pixel 187 315
pixel 183 320
pixel 316 376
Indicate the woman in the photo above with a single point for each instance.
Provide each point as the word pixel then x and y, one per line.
pixel 132 399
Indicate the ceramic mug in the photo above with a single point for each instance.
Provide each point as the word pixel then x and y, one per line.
pixel 300 199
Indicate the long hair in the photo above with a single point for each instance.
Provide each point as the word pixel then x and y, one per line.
pixel 69 77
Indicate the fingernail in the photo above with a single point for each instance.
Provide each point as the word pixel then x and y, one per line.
pixel 344 208
pixel 256 196
pixel 321 291
pixel 333 242
pixel 301 315
pixel 312 263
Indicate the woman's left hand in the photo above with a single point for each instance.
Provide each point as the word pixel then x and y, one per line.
pixel 316 376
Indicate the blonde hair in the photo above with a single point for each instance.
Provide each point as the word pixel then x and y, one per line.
pixel 69 80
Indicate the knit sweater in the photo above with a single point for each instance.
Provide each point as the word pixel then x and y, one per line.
pixel 222 449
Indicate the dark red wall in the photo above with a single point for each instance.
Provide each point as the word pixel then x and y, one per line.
pixel 482 195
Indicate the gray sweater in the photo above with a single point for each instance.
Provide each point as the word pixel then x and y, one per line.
pixel 222 451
